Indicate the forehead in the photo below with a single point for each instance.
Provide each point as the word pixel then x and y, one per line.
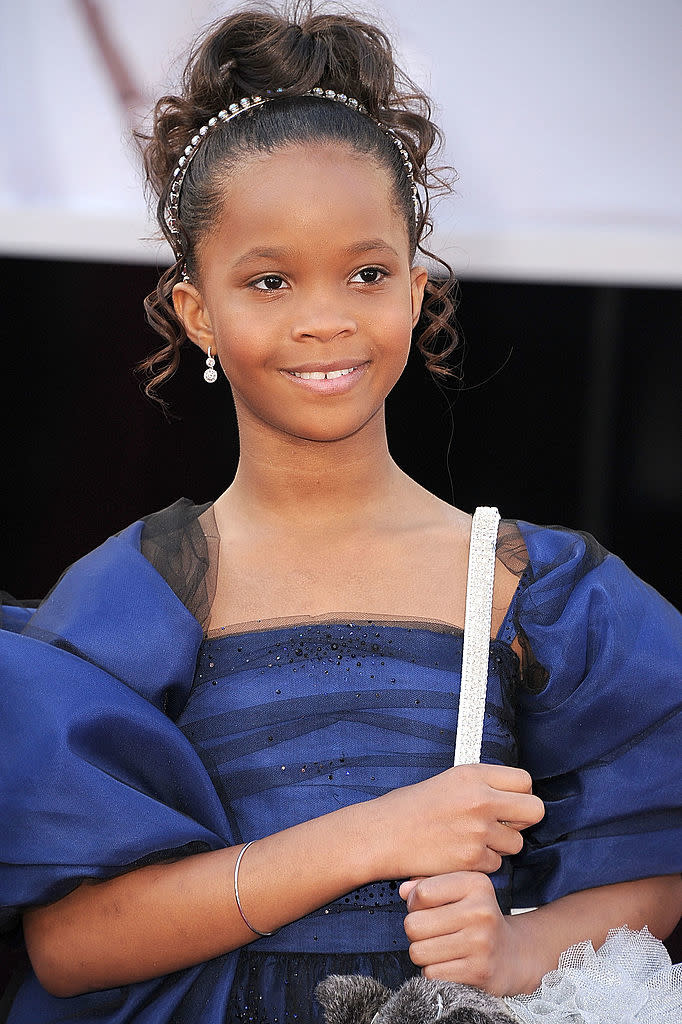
pixel 310 196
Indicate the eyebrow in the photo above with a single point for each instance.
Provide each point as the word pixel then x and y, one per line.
pixel 259 253
pixel 369 245
pixel 278 253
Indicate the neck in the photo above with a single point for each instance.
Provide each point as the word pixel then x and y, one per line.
pixel 298 483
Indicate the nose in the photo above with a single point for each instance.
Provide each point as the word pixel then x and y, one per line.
pixel 322 317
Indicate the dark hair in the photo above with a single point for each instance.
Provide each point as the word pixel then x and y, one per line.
pixel 263 50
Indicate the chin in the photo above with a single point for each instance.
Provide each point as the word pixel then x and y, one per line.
pixel 314 423
pixel 325 436
pixel 328 429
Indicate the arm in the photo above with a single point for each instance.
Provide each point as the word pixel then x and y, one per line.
pixel 542 935
pixel 162 918
pixel 458 932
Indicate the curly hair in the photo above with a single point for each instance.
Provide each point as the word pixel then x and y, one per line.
pixel 290 52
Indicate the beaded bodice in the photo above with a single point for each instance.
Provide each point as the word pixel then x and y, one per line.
pixel 295 721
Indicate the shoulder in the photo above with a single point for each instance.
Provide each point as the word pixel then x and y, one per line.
pixel 148 536
pixel 175 518
pixel 555 561
pixel 585 620
pixel 118 569
pixel 561 561
pixel 539 550
pixel 566 566
pixel 547 561
pixel 163 551
pixel 114 610
pixel 182 544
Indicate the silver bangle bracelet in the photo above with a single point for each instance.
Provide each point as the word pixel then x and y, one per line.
pixel 236 892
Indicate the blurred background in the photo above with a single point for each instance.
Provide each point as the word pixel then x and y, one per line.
pixel 563 122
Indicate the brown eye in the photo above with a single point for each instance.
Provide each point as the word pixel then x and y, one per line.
pixel 269 283
pixel 370 275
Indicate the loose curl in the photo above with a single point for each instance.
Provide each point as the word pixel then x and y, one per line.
pixel 264 50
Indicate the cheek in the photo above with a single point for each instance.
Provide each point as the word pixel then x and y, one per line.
pixel 392 325
pixel 241 341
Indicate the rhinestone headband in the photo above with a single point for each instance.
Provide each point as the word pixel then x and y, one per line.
pixel 170 213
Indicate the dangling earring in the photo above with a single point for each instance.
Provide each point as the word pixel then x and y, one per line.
pixel 210 375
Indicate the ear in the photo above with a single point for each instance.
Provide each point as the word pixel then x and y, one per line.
pixel 191 310
pixel 418 279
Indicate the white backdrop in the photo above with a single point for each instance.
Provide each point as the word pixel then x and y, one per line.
pixel 562 119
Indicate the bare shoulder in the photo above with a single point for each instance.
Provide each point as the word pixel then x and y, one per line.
pixel 419 509
pixel 453 526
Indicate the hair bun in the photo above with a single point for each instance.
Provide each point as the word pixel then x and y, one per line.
pixel 255 51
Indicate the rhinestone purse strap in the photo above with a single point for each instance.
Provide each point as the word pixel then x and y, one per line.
pixel 476 648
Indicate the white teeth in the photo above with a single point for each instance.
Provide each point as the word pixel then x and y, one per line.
pixel 331 375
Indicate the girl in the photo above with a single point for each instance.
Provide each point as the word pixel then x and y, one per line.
pixel 244 712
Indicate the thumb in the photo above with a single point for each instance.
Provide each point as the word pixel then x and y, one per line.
pixel 407 886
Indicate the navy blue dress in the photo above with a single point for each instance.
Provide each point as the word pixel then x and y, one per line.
pixel 293 722
pixel 193 744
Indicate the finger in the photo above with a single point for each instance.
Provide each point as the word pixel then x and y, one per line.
pixel 490 862
pixel 407 886
pixel 479 858
pixel 437 890
pixel 506 779
pixel 463 970
pixel 449 888
pixel 505 839
pixel 523 809
pixel 448 919
pixel 440 949
pixel 475 857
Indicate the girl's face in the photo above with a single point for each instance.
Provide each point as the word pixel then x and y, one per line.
pixel 307 270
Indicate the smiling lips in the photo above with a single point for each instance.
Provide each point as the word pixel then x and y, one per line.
pixel 331 379
pixel 327 375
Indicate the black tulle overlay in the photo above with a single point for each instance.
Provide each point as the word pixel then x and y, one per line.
pixel 270 988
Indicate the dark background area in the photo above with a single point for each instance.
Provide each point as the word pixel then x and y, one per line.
pixel 569 412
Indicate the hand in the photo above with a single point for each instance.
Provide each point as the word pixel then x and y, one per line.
pixel 464 819
pixel 458 933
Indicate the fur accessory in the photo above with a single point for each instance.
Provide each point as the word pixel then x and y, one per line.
pixel 355 999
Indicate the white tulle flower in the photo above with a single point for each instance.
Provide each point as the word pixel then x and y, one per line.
pixel 628 980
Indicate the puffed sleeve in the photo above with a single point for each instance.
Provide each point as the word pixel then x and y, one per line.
pixel 96 776
pixel 601 733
